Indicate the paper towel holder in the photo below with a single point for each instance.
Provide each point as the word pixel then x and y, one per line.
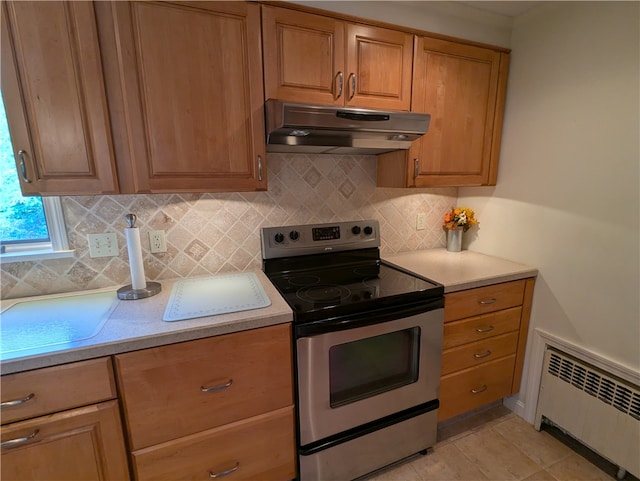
pixel 128 293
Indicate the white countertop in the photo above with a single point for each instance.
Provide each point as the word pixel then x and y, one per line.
pixel 460 270
pixel 138 324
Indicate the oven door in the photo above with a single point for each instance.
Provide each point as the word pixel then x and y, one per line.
pixel 350 377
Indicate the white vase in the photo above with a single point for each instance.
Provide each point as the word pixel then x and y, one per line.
pixel 454 240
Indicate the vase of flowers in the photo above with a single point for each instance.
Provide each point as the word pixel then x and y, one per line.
pixel 456 222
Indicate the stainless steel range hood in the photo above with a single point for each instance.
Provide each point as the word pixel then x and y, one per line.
pixel 319 129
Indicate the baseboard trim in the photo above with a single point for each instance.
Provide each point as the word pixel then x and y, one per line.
pixel 515 405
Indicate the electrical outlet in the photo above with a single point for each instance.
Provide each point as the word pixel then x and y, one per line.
pixel 103 245
pixel 157 241
pixel 421 220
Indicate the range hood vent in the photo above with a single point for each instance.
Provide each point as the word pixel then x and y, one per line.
pixel 317 129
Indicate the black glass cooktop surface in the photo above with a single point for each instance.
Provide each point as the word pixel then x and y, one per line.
pixel 332 285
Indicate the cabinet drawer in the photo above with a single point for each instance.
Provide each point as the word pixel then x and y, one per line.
pixel 52 389
pixel 85 443
pixel 479 352
pixel 172 391
pixel 475 387
pixel 482 300
pixel 481 327
pixel 261 447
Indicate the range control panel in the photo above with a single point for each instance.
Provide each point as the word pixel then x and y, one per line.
pixel 325 233
pixel 294 240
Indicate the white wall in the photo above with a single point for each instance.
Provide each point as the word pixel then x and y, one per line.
pixel 567 198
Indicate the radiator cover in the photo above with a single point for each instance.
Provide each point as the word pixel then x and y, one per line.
pixel 596 408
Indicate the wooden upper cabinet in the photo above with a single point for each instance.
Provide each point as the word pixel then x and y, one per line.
pixel 190 98
pixel 54 95
pixel 320 60
pixel 379 66
pixel 303 57
pixel 463 88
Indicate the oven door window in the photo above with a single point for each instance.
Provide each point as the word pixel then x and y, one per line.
pixel 370 366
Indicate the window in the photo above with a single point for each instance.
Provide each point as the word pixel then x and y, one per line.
pixel 31 228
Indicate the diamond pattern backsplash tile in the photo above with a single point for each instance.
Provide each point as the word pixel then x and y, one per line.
pixel 211 233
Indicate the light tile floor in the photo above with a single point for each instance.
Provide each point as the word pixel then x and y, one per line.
pixel 495 445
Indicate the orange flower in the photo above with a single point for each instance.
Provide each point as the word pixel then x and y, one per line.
pixel 460 217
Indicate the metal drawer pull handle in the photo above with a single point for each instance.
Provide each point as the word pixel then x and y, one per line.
pixel 16 442
pixel 23 167
pixel 485 329
pixel 479 390
pixel 224 473
pixel 17 402
pixel 484 354
pixel 217 387
pixel 352 78
pixel 340 77
pixel 416 168
pixel 488 301
pixel 260 168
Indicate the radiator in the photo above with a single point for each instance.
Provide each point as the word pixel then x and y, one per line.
pixel 592 406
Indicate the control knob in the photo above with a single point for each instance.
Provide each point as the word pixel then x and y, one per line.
pixel 279 238
pixel 294 235
pixel 368 230
pixel 355 229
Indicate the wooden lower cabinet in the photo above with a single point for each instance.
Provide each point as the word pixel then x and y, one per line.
pixel 63 423
pixel 474 387
pixel 200 408
pixel 260 447
pixel 478 328
pixel 57 388
pixel 483 300
pixel 476 353
pixel 485 335
pixel 81 444
pixel 180 389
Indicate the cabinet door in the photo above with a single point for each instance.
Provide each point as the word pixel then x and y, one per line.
pixel 303 57
pixel 379 66
pixel 463 89
pixel 53 89
pixel 78 445
pixel 190 76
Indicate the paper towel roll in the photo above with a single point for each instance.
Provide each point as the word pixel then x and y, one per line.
pixel 135 258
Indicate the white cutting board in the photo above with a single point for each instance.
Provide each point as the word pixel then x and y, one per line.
pixel 46 322
pixel 210 296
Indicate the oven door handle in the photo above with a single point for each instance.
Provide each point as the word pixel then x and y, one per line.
pixel 367 318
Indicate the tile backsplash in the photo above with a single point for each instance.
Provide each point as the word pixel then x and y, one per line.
pixel 211 233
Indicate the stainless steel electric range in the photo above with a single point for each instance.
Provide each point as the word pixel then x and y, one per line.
pixel 368 345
